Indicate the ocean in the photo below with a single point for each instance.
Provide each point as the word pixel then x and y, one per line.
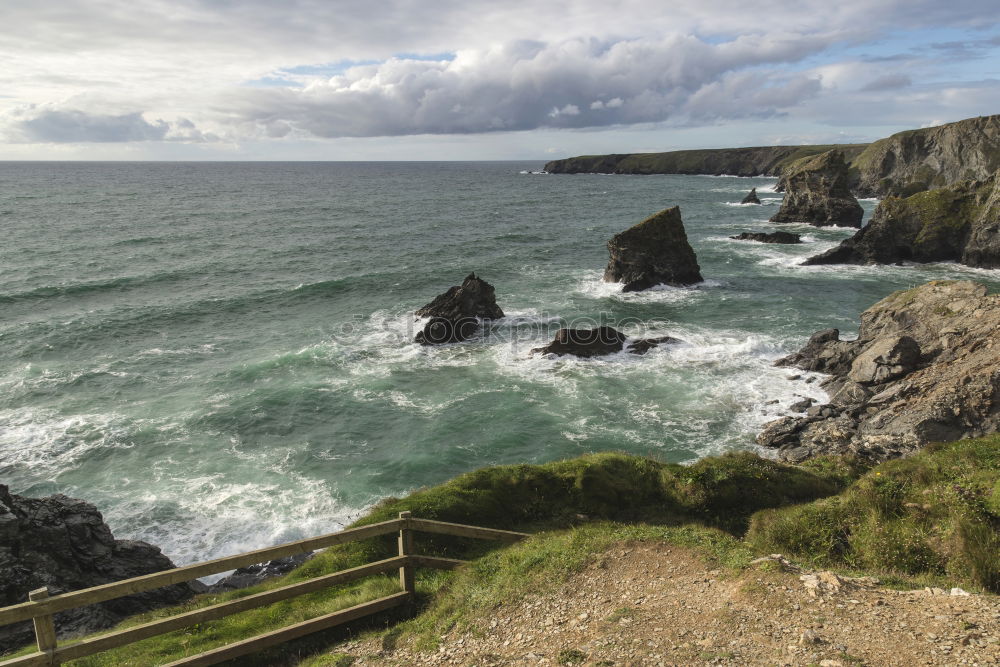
pixel 220 356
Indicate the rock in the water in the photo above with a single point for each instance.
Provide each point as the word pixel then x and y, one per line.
pixel 751 198
pixel 64 544
pixel 456 314
pixel 646 344
pixel 653 252
pixel 959 223
pixel 245 577
pixel 768 237
pixel 924 368
pixel 585 342
pixel 817 191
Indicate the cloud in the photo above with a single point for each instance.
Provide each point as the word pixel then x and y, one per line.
pixel 888 82
pixel 527 85
pixel 59 126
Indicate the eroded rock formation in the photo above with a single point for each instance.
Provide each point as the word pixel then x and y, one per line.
pixel 924 368
pixel 653 252
pixel 751 198
pixel 817 191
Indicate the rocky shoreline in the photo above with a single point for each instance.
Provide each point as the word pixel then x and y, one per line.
pixel 924 368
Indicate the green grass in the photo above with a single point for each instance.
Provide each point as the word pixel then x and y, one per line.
pixel 932 517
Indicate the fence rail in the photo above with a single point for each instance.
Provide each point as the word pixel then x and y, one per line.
pixel 41 606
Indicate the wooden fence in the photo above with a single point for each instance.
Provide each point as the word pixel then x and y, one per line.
pixel 41 605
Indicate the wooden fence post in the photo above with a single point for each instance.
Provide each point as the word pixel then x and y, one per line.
pixel 45 627
pixel 406 549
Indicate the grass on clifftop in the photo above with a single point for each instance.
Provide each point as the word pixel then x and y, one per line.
pixel 934 516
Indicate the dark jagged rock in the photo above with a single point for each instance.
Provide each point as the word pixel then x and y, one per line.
pixel 934 157
pixel 646 344
pixel 817 192
pixel 245 577
pixel 768 237
pixel 63 543
pixel 753 161
pixel 959 223
pixel 456 314
pixel 751 198
pixel 653 252
pixel 585 342
pixel 924 368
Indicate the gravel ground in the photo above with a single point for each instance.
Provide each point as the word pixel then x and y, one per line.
pixel 657 604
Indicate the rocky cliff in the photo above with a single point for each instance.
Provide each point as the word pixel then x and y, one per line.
pixel 817 191
pixel 934 157
pixel 755 161
pixel 64 544
pixel 959 223
pixel 924 368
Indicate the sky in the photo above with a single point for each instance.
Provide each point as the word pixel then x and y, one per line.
pixel 474 80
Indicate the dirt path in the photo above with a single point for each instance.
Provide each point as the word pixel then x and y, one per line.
pixel 655 604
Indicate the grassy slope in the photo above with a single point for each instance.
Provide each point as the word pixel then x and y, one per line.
pixel 931 516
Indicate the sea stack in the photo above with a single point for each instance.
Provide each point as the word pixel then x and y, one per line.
pixel 751 198
pixel 817 192
pixel 959 223
pixel 653 252
pixel 456 315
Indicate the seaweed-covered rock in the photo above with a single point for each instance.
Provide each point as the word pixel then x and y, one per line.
pixel 751 198
pixel 64 544
pixel 585 342
pixel 959 223
pixel 769 237
pixel 817 191
pixel 653 252
pixel 456 314
pixel 924 368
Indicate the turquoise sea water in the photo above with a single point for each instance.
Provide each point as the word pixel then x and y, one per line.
pixel 220 356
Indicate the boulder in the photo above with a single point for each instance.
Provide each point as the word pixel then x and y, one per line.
pixel 768 237
pixel 751 198
pixel 653 252
pixel 585 342
pixel 64 544
pixel 959 223
pixel 456 315
pixel 817 191
pixel 924 368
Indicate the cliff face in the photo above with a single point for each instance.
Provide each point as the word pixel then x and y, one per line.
pixel 959 223
pixel 756 161
pixel 915 160
pixel 923 369
pixel 818 192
